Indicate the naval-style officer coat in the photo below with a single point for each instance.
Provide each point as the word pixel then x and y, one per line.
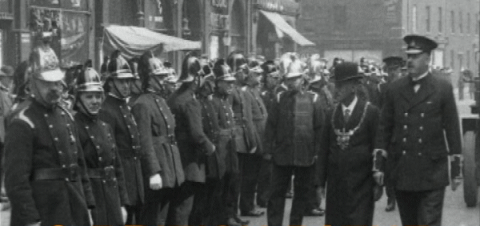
pixel 422 129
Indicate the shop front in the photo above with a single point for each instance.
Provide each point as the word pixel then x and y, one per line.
pixel 274 28
pixel 6 19
pixel 68 21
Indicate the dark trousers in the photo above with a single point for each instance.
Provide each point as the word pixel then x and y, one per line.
pixel 249 170
pixel 422 207
pixel 281 176
pixel 182 203
pixel 263 186
pixel 155 210
pixel 207 204
pixel 134 213
pixel 230 194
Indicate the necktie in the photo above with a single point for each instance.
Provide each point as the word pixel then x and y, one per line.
pixel 346 115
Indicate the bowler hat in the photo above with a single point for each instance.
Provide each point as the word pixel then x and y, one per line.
pixel 419 44
pixel 346 71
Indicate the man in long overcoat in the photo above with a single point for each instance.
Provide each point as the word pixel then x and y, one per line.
pixel 345 161
pixel 116 112
pixel 419 113
pixel 45 174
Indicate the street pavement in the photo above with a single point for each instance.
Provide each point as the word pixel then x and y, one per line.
pixel 455 212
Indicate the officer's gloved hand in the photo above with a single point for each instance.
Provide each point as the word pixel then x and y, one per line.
pixel 124 214
pixel 156 182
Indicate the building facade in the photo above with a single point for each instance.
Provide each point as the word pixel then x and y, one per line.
pixel 374 29
pixel 6 34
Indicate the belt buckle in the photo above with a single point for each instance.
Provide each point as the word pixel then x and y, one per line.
pixel 109 172
pixel 72 172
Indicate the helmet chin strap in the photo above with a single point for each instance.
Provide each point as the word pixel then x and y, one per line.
pixel 85 109
pixel 35 94
pixel 118 91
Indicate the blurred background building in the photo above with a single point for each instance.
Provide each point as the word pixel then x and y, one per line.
pixel 373 29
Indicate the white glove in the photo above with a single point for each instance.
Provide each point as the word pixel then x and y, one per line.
pixel 124 214
pixel 156 182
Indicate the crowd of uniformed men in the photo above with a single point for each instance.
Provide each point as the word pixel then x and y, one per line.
pixel 136 144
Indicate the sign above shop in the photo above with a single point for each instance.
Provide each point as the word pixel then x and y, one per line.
pixel 6 16
pixel 219 18
pixel 280 6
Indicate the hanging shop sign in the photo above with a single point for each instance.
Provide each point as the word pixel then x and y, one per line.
pixel 219 18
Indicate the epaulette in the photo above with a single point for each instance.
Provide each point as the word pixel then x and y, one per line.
pixel 279 94
pixel 315 96
pixel 67 112
pixel 21 116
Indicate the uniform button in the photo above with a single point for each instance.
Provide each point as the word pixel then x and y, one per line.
pixel 135 158
pixel 91 137
pixel 405 127
pixel 66 179
pixel 63 166
pixel 168 127
pixel 404 139
pixel 104 181
pixel 420 140
pixel 128 126
pixel 404 152
pixel 60 152
pixel 422 115
pixel 86 127
pixel 98 147
pixel 99 158
pixel 124 116
pixel 421 127
pixel 45 115
pixel 50 126
pixel 420 154
pixel 56 139
pixel 406 114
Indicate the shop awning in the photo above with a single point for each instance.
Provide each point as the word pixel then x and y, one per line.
pixel 134 41
pixel 282 26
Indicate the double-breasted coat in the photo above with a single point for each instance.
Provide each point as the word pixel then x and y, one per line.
pixel 156 124
pixel 116 113
pixel 104 169
pixel 226 134
pixel 45 174
pixel 420 127
pixel 348 171
pixel 245 135
pixel 215 165
pixel 259 117
pixel 193 144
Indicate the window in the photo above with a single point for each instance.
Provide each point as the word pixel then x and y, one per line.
pixel 452 20
pixel 340 17
pixel 427 15
pixel 468 59
pixel 440 19
pixel 460 22
pixel 414 19
pixel 469 24
pixel 452 59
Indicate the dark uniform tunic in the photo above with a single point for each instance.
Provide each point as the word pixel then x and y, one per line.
pixel 293 133
pixel 245 140
pixel 226 134
pixel 45 175
pixel 348 172
pixel 104 169
pixel 415 126
pixel 117 114
pixel 156 125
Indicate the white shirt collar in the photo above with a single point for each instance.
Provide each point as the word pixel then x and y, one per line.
pixel 351 106
pixel 421 76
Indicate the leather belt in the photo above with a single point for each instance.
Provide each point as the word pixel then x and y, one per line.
pixel 167 139
pixel 107 173
pixel 68 174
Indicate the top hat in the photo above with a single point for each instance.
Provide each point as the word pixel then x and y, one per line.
pixel 45 65
pixel 222 71
pixel 417 44
pixel 346 71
